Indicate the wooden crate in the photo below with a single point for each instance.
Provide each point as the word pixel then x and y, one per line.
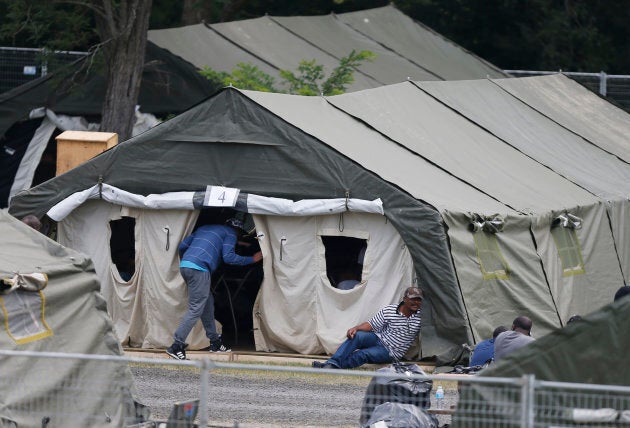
pixel 76 147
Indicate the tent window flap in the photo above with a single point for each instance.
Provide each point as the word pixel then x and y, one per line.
pixel 122 246
pixel 569 251
pixel 24 315
pixel 344 260
pixel 491 262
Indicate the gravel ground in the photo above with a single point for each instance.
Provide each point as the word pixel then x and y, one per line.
pixel 258 398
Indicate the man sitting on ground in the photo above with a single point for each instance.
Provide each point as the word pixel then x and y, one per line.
pixel 384 338
pixel 509 341
pixel 484 351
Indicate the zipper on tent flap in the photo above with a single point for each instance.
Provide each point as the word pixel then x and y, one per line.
pixel 282 241
pixel 168 237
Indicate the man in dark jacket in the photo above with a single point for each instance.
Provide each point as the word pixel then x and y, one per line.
pixel 201 253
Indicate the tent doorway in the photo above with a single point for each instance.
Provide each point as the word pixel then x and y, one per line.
pixel 235 287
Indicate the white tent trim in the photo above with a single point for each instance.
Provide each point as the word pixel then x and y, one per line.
pixel 256 204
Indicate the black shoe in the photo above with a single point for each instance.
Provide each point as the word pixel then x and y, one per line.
pixel 324 365
pixel 218 346
pixel 177 351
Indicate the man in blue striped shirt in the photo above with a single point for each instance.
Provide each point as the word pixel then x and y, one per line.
pixel 383 338
pixel 201 253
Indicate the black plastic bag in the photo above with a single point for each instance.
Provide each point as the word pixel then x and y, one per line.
pixel 401 389
pixel 397 415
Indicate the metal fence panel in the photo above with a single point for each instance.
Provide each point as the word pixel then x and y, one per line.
pixel 614 87
pixel 219 394
pixel 21 65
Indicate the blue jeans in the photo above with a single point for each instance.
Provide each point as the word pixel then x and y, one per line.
pixel 365 347
pixel 200 305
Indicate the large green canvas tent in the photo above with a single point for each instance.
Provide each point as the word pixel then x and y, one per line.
pixel 50 302
pixel 488 226
pixel 405 49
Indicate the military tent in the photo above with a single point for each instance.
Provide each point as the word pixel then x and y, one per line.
pixel 50 302
pixel 590 351
pixel 405 48
pixel 33 114
pixel 488 227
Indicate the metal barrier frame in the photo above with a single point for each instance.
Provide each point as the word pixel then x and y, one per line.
pixel 528 385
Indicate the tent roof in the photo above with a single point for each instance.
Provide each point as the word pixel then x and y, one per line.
pixel 201 46
pixel 421 45
pixel 486 104
pixel 330 34
pixel 16 103
pixel 427 127
pixel 169 85
pixel 395 163
pixel 405 48
pixel 424 146
pixel 585 113
pixel 266 39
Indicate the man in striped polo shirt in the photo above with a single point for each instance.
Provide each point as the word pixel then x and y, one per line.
pixel 384 338
pixel 201 253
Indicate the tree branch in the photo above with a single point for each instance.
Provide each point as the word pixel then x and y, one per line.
pixel 89 5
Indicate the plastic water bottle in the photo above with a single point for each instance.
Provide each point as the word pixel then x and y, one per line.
pixel 439 397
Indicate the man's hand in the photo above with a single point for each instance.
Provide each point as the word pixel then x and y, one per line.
pixel 351 332
pixel 257 256
pixel 365 326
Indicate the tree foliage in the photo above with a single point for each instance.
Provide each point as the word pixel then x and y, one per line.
pixel 46 24
pixel 572 35
pixel 309 79
pixel 243 76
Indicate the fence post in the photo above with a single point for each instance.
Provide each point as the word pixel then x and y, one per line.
pixel 527 401
pixel 203 393
pixel 44 62
pixel 602 83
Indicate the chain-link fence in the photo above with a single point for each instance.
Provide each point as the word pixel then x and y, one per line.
pixel 222 394
pixel 614 87
pixel 21 65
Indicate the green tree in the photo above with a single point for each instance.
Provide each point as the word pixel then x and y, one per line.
pixel 309 79
pixel 572 35
pixel 243 76
pixel 53 25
